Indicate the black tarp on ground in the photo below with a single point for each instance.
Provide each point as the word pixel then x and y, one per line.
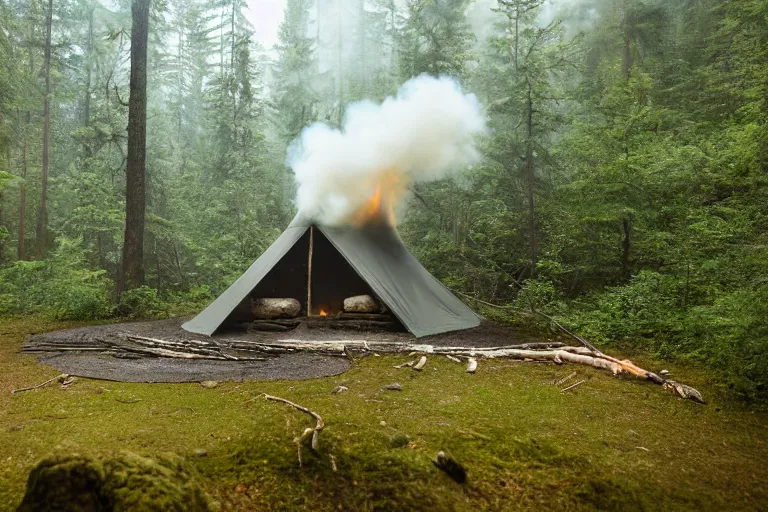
pixel 377 255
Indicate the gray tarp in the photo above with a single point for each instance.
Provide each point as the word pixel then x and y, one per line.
pixel 376 252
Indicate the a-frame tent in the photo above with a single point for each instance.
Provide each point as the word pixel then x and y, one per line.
pixel 346 261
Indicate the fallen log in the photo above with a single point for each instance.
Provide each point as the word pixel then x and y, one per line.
pixel 276 325
pixel 192 346
pixel 357 325
pixel 382 317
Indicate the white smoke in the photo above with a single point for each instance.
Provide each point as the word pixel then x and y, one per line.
pixel 577 15
pixel 423 134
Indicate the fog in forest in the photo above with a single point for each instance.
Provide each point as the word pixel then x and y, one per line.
pixel 601 160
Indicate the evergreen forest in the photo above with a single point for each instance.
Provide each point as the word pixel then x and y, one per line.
pixel 622 187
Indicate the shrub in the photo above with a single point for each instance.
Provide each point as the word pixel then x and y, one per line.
pixel 61 286
pixel 141 302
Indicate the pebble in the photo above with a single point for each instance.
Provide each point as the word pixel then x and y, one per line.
pixel 201 453
pixel 339 389
pixel 209 384
pixel 395 386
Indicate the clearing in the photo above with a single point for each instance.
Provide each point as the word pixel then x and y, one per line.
pixel 611 443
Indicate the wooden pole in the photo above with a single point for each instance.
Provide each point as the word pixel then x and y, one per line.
pixel 309 270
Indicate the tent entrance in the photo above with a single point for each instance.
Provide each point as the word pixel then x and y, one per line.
pixel 332 278
pixel 312 272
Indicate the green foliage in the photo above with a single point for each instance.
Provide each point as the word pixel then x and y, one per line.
pixel 141 302
pixel 627 156
pixel 62 286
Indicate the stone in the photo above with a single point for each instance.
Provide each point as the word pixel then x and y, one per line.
pixel 395 386
pixel 339 389
pixel 361 304
pixel 268 308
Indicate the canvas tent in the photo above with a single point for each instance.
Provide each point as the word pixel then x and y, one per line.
pixel 346 261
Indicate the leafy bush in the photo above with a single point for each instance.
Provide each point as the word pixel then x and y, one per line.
pixel 538 293
pixel 61 286
pixel 190 302
pixel 141 302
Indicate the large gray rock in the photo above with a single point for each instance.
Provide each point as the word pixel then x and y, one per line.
pixel 361 304
pixel 275 308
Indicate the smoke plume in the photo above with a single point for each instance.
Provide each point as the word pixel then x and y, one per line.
pixel 423 134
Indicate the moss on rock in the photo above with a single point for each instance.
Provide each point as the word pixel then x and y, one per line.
pixel 127 482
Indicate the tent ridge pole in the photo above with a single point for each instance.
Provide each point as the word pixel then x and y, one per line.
pixel 309 270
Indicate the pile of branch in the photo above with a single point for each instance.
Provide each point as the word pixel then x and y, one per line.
pixel 131 345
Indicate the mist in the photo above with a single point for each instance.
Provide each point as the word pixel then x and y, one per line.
pixel 424 133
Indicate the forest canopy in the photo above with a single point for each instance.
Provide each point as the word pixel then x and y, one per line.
pixel 621 186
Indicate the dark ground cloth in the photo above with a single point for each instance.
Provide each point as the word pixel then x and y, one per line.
pixel 56 349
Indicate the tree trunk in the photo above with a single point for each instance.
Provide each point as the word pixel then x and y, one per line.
pixel 23 193
pixel 41 233
pixel 529 176
pixel 517 32
pixel 87 97
pixel 626 266
pixel 626 63
pixel 135 172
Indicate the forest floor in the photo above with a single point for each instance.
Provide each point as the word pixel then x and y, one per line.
pixel 98 339
pixel 611 443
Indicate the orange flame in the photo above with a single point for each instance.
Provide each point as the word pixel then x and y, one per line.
pixel 323 312
pixel 380 205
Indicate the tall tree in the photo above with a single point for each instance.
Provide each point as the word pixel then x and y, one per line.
pixel 42 214
pixel 135 172
pixel 293 97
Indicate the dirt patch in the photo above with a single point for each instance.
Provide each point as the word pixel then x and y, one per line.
pixel 79 351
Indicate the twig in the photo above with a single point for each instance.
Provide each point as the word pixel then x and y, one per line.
pixel 314 432
pixel 565 379
pixel 573 386
pixel 333 463
pixel 62 377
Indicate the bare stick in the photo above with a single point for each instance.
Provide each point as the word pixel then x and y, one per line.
pixel 63 377
pixel 313 432
pixel 572 386
pixel 565 379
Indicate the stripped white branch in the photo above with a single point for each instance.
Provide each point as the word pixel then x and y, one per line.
pixel 313 432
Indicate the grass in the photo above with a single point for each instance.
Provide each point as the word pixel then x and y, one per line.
pixel 612 443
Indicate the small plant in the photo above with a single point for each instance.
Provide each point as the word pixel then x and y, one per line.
pixel 141 302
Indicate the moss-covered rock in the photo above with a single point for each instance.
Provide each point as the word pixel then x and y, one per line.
pixel 127 482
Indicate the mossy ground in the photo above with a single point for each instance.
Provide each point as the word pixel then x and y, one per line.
pixel 612 443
